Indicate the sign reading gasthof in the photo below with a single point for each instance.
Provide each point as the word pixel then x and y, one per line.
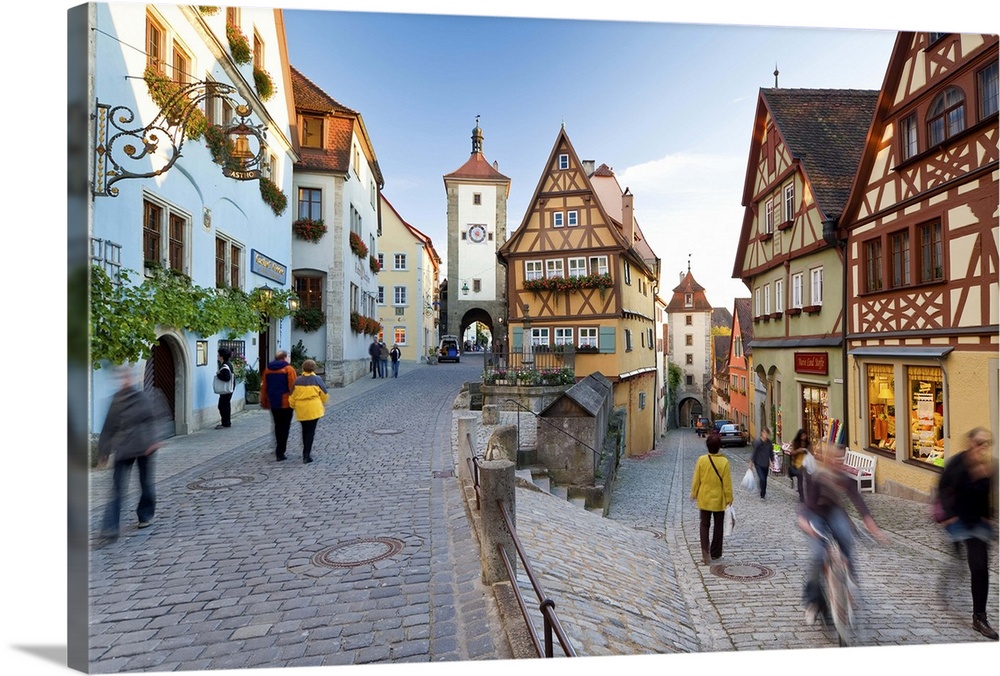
pixel 267 267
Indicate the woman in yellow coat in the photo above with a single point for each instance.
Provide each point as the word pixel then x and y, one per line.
pixel 712 488
pixel 308 398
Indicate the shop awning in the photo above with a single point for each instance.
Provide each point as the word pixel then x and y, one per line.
pixel 925 351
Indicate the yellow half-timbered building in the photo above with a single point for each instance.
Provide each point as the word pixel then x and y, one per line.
pixel 581 273
pixel 922 263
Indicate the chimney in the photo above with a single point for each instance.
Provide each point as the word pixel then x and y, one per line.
pixel 588 166
pixel 628 220
pixel 681 273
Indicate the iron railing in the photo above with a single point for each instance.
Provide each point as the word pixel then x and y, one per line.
pixel 537 366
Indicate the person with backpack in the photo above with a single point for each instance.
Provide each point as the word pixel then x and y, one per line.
pixel 712 489
pixel 224 384
pixel 276 384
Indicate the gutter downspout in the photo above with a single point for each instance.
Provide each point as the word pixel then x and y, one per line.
pixel 830 237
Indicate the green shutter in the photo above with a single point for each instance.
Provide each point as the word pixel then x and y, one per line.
pixel 606 339
pixel 516 339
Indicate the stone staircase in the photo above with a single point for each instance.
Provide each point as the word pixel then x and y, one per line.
pixel 537 477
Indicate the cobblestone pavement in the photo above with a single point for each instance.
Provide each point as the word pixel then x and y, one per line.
pixel 366 555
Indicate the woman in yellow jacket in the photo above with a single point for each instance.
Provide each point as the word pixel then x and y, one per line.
pixel 308 398
pixel 712 488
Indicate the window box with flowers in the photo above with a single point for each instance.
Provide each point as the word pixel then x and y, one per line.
pixel 309 319
pixel 357 245
pixel 373 264
pixel 239 46
pixel 587 349
pixel 272 195
pixel 309 229
pixel 264 84
pixel 569 283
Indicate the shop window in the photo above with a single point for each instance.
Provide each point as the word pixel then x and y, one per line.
pixel 881 407
pixel 815 412
pixel 926 393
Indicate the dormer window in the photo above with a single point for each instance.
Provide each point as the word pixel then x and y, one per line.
pixel 312 132
pixel 946 116
pixel 688 299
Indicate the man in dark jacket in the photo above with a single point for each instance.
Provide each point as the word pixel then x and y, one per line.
pixel 763 451
pixel 276 383
pixel 224 384
pixel 375 351
pixel 135 426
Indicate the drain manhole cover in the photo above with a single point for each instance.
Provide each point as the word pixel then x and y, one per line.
pixel 387 431
pixel 655 533
pixel 742 572
pixel 443 473
pixel 357 552
pixel 219 482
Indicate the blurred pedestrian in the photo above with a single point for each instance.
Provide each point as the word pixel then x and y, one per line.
pixel 394 357
pixel 224 384
pixel 374 351
pixel 383 360
pixel 969 512
pixel 797 455
pixel 276 384
pixel 823 513
pixel 308 398
pixel 763 453
pixel 135 426
pixel 712 489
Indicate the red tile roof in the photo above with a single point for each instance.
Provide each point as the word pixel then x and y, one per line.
pixel 476 167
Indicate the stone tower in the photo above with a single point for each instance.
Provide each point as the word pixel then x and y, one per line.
pixel 477 226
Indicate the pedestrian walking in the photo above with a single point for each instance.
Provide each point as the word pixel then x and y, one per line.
pixel 307 399
pixel 797 455
pixel 712 489
pixel 394 357
pixel 763 453
pixel 823 513
pixel 374 351
pixel 383 360
pixel 135 426
pixel 224 384
pixel 276 384
pixel 969 516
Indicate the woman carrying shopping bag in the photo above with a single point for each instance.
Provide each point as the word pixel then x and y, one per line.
pixel 712 489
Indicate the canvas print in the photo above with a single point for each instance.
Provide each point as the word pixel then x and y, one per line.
pixel 423 338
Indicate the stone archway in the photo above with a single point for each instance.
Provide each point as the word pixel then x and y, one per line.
pixel 477 315
pixel 167 369
pixel 688 409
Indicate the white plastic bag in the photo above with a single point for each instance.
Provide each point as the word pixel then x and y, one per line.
pixel 749 480
pixel 809 463
pixel 729 522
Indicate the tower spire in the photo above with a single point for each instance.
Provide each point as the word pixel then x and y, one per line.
pixel 775 74
pixel 477 138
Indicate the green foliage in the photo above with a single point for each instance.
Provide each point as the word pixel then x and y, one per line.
pixel 299 355
pixel 309 319
pixel 721 331
pixel 265 85
pixel 309 229
pixel 252 379
pixel 166 94
pixel 239 46
pixel 273 196
pixel 124 317
pixel 208 10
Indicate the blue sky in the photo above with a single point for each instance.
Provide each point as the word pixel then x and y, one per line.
pixel 668 106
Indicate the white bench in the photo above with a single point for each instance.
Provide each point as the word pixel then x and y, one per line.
pixel 862 467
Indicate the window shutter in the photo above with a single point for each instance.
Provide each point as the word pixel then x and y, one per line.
pixel 606 339
pixel 515 345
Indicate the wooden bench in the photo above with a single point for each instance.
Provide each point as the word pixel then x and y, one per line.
pixel 862 467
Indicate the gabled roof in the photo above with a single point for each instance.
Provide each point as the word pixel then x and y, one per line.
pixel 341 124
pixel 721 348
pixel 477 168
pixel 744 318
pixel 721 316
pixel 417 234
pixel 698 302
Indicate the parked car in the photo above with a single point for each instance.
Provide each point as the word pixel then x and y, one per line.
pixel 719 423
pixel 732 435
pixel 449 350
pixel 702 425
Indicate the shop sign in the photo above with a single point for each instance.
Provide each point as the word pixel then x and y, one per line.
pixel 811 362
pixel 266 267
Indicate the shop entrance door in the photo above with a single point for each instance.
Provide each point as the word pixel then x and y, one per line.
pixel 815 412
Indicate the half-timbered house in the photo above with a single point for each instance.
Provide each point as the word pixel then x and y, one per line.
pixel 581 273
pixel 803 155
pixel 921 232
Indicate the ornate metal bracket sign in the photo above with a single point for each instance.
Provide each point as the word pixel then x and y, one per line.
pixel 123 151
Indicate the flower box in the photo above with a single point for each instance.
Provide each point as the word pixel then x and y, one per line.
pixel 358 246
pixel 794 311
pixel 812 309
pixel 309 229
pixel 785 225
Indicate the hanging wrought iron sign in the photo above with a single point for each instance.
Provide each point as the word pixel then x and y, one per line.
pixel 122 151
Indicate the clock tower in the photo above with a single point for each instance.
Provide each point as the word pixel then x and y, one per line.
pixel 477 227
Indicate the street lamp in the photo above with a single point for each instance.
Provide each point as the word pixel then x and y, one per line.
pixel 293 304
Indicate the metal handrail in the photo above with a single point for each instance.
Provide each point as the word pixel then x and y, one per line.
pixel 473 461
pixel 546 605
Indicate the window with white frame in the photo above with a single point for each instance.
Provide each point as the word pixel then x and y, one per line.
pixel 564 160
pixel 380 295
pixel 311 203
pixel 577 267
pixel 598 265
pixel 355 298
pixel 816 286
pixel 399 335
pixel 557 219
pixel 789 212
pixel 769 217
pixel 987 90
pixel 554 267
pixel 797 290
pixel 628 273
pixel 533 270
pixel 399 261
pixel 908 136
pixel 756 302
pixel 166 232
pixel 356 221
pixel 312 131
pixel 399 295
pixel 779 295
pixel 228 262
pixel 563 336
pixel 572 218
pixel 381 261
pixel 688 300
pixel 539 337
pixel 588 337
pixel 107 255
pixel 767 299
